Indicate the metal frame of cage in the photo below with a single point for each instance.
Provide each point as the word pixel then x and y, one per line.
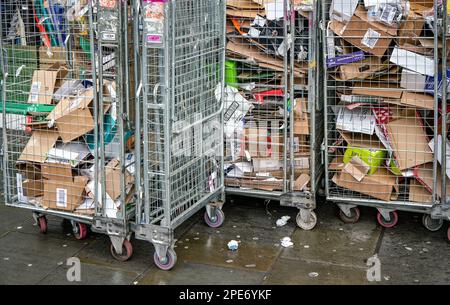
pixel 417 175
pixel 288 195
pixel 441 209
pixel 180 105
pixel 66 36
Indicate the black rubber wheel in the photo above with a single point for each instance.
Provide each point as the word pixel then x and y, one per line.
pixel 355 214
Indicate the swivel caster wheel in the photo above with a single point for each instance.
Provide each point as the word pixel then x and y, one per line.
pixel 431 224
pixel 127 251
pixel 217 220
pixel 80 230
pixel 388 223
pixel 355 214
pixel 42 223
pixel 169 261
pixel 448 234
pixel 309 224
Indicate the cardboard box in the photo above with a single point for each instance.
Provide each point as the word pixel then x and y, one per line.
pixel 302 182
pixel 380 90
pixel 72 117
pixel 409 142
pixel 381 185
pixel 413 61
pixel 64 195
pixel 39 145
pixel 361 69
pixel 45 83
pixel 419 193
pixel 33 188
pixel 424 175
pixel 266 164
pixel 301 117
pixel 413 81
pixel 113 173
pixel 363 35
pixel 57 171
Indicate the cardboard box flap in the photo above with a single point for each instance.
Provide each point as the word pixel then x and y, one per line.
pixel 424 175
pixel 418 100
pixel 57 171
pixel 68 105
pixel 361 12
pixel 45 83
pixel 362 140
pixel 409 142
pixel 39 145
pixel 382 185
pixel 419 192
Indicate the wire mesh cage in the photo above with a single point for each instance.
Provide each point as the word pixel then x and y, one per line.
pixel 62 112
pixel 181 59
pixel 273 117
pixel 383 106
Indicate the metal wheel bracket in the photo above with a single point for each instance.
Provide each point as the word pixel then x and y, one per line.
pixel 385 213
pixel 111 227
pixel 300 200
pixel 305 215
pixel 211 211
pixel 161 251
pixel 440 212
pixel 154 234
pixel 346 209
pixel 36 218
pixel 117 243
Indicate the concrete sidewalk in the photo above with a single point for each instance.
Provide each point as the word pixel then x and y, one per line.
pixel 333 253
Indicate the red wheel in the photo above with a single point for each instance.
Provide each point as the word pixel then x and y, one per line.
pixel 448 234
pixel 127 251
pixel 42 223
pixel 385 223
pixel 80 231
pixel 355 214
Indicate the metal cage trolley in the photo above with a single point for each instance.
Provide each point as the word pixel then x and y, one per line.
pixel 383 107
pixel 57 86
pixel 273 116
pixel 181 57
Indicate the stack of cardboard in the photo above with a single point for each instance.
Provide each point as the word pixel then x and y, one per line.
pixel 56 167
pixel 380 60
pixel 258 54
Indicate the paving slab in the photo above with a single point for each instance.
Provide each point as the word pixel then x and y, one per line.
pixel 291 272
pixel 201 274
pixel 410 254
pixel 90 275
pixel 334 242
pixel 27 258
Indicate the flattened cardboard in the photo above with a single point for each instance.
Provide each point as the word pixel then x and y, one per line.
pixel 244 4
pixel 112 181
pixel 266 164
pixel 382 185
pixel 38 146
pixel 45 83
pixel 64 195
pixel 382 90
pixel 418 100
pixel 362 13
pixel 419 193
pixel 57 171
pixel 413 61
pixel 424 174
pixel 73 117
pixel 409 142
pixel 301 182
pixel 362 69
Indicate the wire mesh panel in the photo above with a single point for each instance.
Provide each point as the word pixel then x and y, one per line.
pixel 383 104
pixel 182 44
pixel 63 111
pixel 273 127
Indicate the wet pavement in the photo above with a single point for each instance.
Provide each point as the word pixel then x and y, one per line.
pixel 333 253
